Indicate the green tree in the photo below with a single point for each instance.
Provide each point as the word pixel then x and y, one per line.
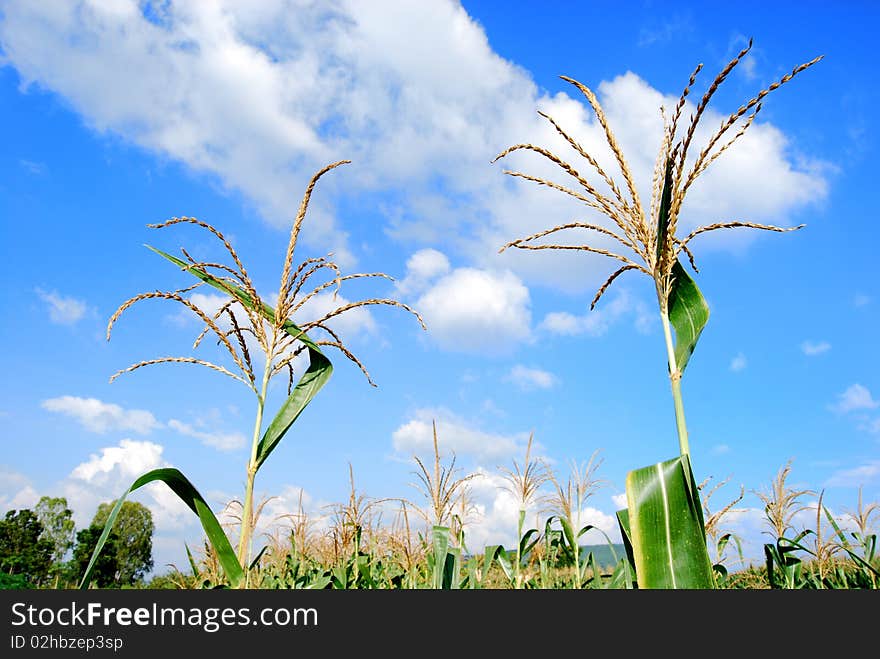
pixel 134 547
pixel 106 571
pixel 22 550
pixel 58 526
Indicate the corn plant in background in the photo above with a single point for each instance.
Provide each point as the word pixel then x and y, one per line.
pixel 663 522
pixel 245 320
pixel 524 483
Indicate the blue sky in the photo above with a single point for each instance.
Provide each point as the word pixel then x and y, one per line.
pixel 115 115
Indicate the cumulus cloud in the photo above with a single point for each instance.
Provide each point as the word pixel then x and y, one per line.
pixel 531 378
pixel 421 268
pixel 812 348
pixel 107 473
pixel 856 397
pixel 597 322
pixel 62 310
pixel 473 310
pixel 16 491
pixel 362 80
pixel 456 435
pixel 129 459
pixel 100 417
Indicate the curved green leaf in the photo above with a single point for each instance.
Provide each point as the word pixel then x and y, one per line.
pixel 688 311
pixel 626 536
pixel 666 527
pixel 181 486
pixel 688 314
pixel 309 384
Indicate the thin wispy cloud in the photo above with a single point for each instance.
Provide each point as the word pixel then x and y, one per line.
pixel 813 348
pixel 62 310
pixel 738 363
pixel 222 441
pixel 529 379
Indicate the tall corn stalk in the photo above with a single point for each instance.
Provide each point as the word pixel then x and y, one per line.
pixel 663 519
pixel 250 320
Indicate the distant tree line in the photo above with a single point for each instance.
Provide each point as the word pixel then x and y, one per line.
pixel 40 547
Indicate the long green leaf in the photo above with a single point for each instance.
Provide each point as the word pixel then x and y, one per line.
pixel 663 212
pixel 688 313
pixel 181 486
pixel 440 541
pixel 626 535
pixel 309 385
pixel 666 527
pixel 306 388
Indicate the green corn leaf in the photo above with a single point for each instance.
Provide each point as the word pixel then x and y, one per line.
pixel 309 384
pixel 494 553
pixel 663 213
pixel 688 311
pixel 191 497
pixel 256 561
pixel 525 546
pixel 626 535
pixel 688 314
pixel 666 527
pixel 440 542
pixel 452 570
pixel 192 561
pixel 568 533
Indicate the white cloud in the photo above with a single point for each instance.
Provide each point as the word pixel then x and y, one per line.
pixel 362 80
pixel 473 310
pixel 720 449
pixel 129 459
pixel 62 310
pixel 456 435
pixel 100 417
pixel 351 323
pixel 620 500
pixel 856 476
pixel 856 397
pixel 597 322
pixel 107 474
pixel 496 511
pixel 531 378
pixel 811 348
pixel 16 491
pixel 738 363
pixel 861 300
pixel 218 440
pixel 421 268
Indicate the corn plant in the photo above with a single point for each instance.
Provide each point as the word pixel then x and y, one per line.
pixel 663 520
pixel 250 320
pixel 567 502
pixel 714 535
pixel 523 482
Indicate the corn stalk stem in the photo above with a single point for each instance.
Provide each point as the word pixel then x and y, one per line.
pixel 675 380
pixel 247 512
